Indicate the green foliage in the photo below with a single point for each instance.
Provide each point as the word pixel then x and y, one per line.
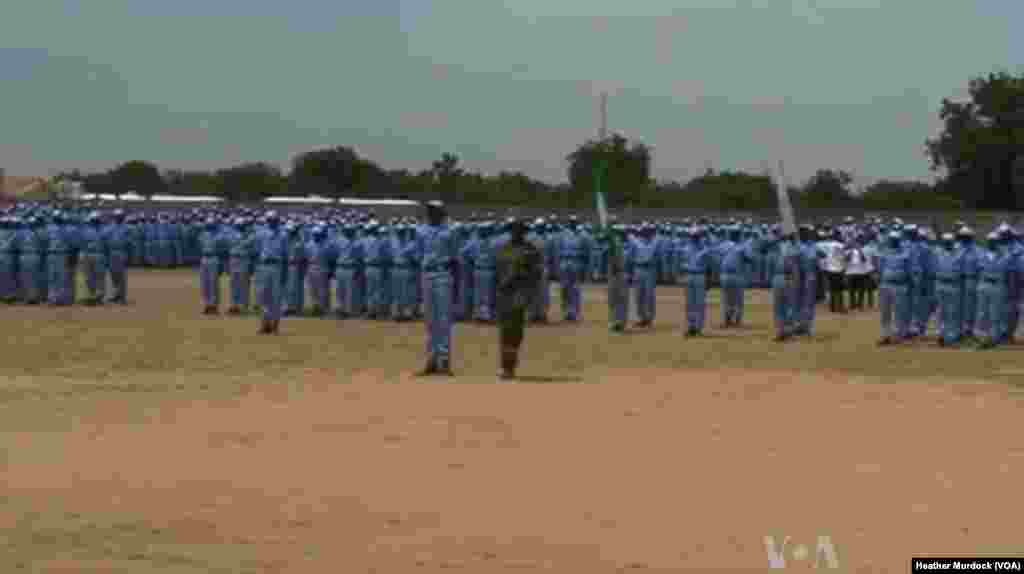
pixel 827 188
pixel 627 176
pixel 138 176
pixel 331 172
pixel 981 146
pixel 981 151
pixel 250 182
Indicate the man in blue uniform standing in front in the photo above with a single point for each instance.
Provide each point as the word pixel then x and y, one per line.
pixel 897 270
pixel 273 255
pixel 808 298
pixel 58 260
pixel 699 259
pixel 572 251
pixel 94 260
pixel 8 260
pixel 971 257
pixel 117 261
pixel 437 244
pixel 949 288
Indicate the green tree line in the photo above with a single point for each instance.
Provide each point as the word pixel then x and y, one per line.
pixel 978 157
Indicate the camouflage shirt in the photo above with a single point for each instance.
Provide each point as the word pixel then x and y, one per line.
pixel 519 267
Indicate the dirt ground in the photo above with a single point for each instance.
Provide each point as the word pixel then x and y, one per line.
pixel 149 438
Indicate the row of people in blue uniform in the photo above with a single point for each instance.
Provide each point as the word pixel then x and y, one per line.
pixel 373 269
pixel 41 257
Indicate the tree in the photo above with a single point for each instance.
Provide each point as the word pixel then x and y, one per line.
pixel 982 142
pixel 628 170
pixel 446 173
pixel 827 188
pixel 329 172
pixel 138 176
pixel 250 182
pixel 101 183
pixel 195 183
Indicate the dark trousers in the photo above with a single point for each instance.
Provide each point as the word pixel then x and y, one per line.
pixel 858 285
pixel 835 291
pixel 511 328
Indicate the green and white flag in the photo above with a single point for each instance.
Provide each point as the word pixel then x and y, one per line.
pixel 602 204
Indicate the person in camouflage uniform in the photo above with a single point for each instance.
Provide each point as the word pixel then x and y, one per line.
pixel 518 272
pixel 618 281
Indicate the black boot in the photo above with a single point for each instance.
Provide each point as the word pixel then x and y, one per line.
pixel 430 369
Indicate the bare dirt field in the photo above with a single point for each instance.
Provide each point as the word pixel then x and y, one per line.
pixel 149 438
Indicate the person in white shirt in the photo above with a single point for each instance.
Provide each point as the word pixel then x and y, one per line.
pixel 872 253
pixel 834 266
pixel 858 273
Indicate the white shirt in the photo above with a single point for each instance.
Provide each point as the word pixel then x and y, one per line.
pixel 858 262
pixel 835 258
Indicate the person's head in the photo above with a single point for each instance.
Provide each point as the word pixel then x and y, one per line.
pixel 965 235
pixel 893 239
pixel 435 212
pixel 273 220
pixel 516 229
pixel 993 240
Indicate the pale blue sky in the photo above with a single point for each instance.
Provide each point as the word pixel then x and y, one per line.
pixel 848 84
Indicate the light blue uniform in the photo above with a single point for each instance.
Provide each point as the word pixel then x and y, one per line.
pixel 209 266
pixel 273 250
pixel 807 301
pixel 734 259
pixel 897 270
pixel 378 260
pixel 58 263
pixel 997 279
pixel 403 278
pixel 242 255
pixel 320 255
pixel 437 244
pixel 484 276
pixel 782 264
pixel 295 274
pixel 539 305
pixel 971 256
pixel 572 253
pixel 1017 258
pixel 466 276
pixel 94 261
pixel 8 262
pixel 118 243
pixel 348 274
pixel 924 292
pixel 949 288
pixel 699 260
pixel 642 255
pixel 30 260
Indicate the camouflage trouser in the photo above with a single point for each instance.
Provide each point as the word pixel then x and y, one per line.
pixel 511 328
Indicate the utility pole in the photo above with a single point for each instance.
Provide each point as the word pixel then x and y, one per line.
pixel 603 130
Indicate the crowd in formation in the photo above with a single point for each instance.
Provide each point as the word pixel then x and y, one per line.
pixel 350 264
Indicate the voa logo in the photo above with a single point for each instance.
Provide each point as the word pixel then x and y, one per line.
pixel 825 555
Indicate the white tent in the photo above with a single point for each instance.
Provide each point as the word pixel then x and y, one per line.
pixel 186 199
pixel 314 199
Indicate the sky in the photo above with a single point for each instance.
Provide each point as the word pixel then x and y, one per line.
pixel 507 85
